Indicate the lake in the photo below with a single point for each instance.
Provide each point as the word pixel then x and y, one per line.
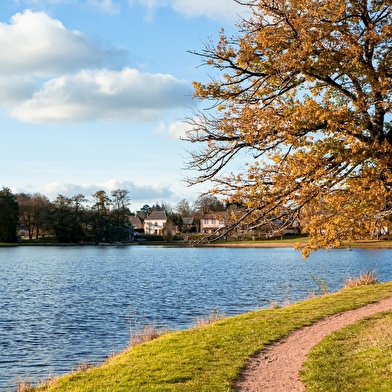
pixel 61 306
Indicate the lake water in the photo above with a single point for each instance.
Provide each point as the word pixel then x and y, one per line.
pixel 61 306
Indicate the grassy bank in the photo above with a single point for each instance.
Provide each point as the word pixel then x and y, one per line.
pixel 355 358
pixel 209 358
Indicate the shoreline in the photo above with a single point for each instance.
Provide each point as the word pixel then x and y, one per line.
pixel 244 244
pixel 278 244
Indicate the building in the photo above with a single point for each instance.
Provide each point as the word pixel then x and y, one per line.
pixel 136 222
pixel 209 223
pixel 189 225
pixel 155 223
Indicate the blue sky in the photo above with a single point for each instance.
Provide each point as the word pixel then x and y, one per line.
pixel 93 93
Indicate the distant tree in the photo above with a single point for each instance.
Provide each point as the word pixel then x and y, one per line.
pixel 162 207
pixel 120 202
pixel 61 218
pixel 208 203
pixel 78 214
pixel 101 208
pixel 9 216
pixel 174 221
pixel 42 208
pixel 67 218
pixel 146 210
pixel 26 213
pixel 183 208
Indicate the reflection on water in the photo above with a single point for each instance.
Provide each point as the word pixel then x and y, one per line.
pixel 61 306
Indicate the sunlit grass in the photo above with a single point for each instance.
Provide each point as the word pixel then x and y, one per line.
pixel 355 358
pixel 212 357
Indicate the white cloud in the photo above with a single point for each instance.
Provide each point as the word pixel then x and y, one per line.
pixel 35 44
pixel 14 89
pixel 106 6
pixel 175 130
pixel 217 9
pixel 138 193
pixel 103 95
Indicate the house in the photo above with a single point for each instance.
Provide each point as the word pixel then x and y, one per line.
pixel 189 225
pixel 136 222
pixel 155 222
pixel 209 223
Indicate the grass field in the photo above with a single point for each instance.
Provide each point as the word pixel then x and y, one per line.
pixel 210 358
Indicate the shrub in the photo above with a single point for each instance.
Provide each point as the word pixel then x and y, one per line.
pixel 213 316
pixel 363 280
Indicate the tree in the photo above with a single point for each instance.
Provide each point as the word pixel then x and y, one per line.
pixel 100 226
pixel 26 213
pixel 305 97
pixel 120 202
pixel 146 210
pixel 174 222
pixel 9 216
pixel 183 208
pixel 42 207
pixel 67 218
pixel 61 218
pixel 208 203
pixel 33 213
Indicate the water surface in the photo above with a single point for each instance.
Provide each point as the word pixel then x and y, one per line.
pixel 61 306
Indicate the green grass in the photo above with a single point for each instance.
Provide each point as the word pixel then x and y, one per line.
pixel 210 358
pixel 355 358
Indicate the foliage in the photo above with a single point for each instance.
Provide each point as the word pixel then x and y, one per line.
pixel 208 203
pixel 75 219
pixel 183 208
pixel 33 213
pixel 175 221
pixel 303 95
pixel 210 358
pixel 67 218
pixel 9 215
pixel 120 201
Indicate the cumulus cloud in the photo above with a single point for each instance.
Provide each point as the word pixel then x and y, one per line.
pixel 175 130
pixel 35 44
pixel 104 94
pixel 137 193
pixel 14 89
pixel 50 74
pixel 217 9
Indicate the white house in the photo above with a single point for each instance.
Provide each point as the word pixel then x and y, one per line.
pixel 212 222
pixel 155 223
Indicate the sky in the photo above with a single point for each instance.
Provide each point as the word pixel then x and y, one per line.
pixel 94 93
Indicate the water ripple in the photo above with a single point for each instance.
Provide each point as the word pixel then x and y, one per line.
pixel 64 306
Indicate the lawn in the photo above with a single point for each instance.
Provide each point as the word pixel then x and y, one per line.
pixel 210 358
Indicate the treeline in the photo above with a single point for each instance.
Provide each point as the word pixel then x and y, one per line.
pixel 74 219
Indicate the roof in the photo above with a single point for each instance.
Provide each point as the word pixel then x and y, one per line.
pixel 216 215
pixel 135 221
pixel 157 215
pixel 188 221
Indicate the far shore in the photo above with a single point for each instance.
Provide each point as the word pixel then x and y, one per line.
pixel 289 244
pixel 285 243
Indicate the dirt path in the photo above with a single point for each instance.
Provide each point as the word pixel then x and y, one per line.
pixel 276 368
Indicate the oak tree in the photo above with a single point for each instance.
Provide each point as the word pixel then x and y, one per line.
pixel 304 89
